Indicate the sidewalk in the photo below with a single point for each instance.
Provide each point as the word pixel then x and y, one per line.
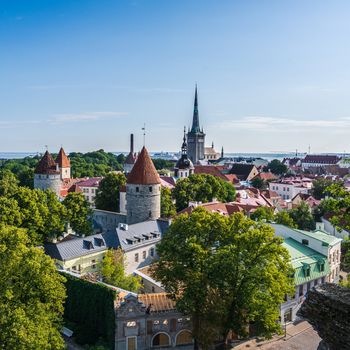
pixel 300 336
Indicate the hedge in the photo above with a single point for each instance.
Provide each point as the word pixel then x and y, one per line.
pixel 90 306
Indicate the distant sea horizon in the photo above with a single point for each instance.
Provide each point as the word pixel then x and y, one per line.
pixel 264 155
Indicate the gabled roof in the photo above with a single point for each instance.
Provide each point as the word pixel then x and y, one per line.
pixel 242 170
pixel 46 165
pixel 62 160
pixel 321 159
pixel 131 158
pixel 143 172
pixel 91 182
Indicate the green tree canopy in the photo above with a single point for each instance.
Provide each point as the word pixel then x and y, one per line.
pixel 259 183
pixel 303 217
pixel 202 188
pixel 167 207
pixel 262 213
pixel 79 213
pixel 31 295
pixel 284 218
pixel 277 167
pixel 113 271
pixel 107 194
pixel 163 164
pixel 320 186
pixel 8 183
pixel 224 272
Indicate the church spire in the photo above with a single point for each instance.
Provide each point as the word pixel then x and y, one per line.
pixel 195 123
pixel 184 143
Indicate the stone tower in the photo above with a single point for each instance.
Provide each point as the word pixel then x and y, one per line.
pixel 184 167
pixel 196 136
pixel 143 190
pixel 131 157
pixel 47 175
pixel 64 164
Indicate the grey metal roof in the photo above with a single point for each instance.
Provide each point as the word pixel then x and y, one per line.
pixel 76 247
pixel 141 234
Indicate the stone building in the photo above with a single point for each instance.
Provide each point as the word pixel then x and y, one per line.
pixel 143 190
pixel 47 174
pixel 184 167
pixel 196 136
pixel 151 321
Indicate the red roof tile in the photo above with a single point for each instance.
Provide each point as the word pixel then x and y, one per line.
pixel 143 172
pixel 158 302
pixel 62 160
pixel 46 165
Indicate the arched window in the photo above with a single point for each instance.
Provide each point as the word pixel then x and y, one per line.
pixel 184 338
pixel 161 339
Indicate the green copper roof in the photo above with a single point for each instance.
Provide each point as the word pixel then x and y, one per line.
pixel 303 258
pixel 322 236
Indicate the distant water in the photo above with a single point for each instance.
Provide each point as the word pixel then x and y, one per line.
pixel 16 155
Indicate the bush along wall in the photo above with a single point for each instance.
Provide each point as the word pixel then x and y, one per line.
pixel 90 306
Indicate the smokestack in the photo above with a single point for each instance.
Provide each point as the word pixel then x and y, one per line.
pixel 132 143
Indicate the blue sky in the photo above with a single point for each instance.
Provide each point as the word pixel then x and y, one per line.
pixel 272 75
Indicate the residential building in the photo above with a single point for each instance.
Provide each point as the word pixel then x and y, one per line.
pixel 310 269
pixel 288 188
pixel 244 171
pixel 89 188
pixel 319 161
pixel 306 198
pixel 151 321
pixel 321 242
pixel 210 154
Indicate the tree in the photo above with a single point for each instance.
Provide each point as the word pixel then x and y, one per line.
pixel 31 295
pixel 262 213
pixel 79 213
pixel 113 271
pixel 224 272
pixel 302 217
pixel 277 167
pixel 10 212
pixel 167 207
pixel 107 194
pixel 283 218
pixel 8 183
pixel 162 164
pixel 258 183
pixel 202 188
pixel 320 186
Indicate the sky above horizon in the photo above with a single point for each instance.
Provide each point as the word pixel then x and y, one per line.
pixel 273 76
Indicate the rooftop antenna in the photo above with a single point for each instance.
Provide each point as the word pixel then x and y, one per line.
pixel 144 134
pixel 309 149
pixel 296 152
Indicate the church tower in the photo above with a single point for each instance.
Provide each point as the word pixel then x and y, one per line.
pixel 184 167
pixel 143 190
pixel 196 136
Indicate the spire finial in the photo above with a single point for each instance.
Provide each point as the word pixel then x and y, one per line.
pixel 195 123
pixel 144 134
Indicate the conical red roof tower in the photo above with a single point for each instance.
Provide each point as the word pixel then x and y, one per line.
pixel 143 172
pixel 46 165
pixel 62 160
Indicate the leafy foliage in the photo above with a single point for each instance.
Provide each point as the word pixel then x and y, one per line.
pixel 107 194
pixel 167 207
pixel 31 295
pixel 303 217
pixel 259 183
pixel 162 164
pixel 203 188
pixel 91 307
pixel 113 272
pixel 224 272
pixel 277 167
pixel 262 213
pixel 79 213
pixel 284 218
pixel 320 185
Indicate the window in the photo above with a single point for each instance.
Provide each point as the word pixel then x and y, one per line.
pixel 307 271
pixel 150 188
pixel 131 324
pixel 74 268
pixel 184 337
pixel 93 264
pixel 301 290
pixel 308 286
pixel 288 189
pixel 288 315
pixel 137 257
pixel 152 251
pixel 305 241
pixel 161 339
pixel 137 189
pixel 150 213
pixel 322 280
pixel 144 254
pixel 316 282
pixel 321 267
pixel 131 343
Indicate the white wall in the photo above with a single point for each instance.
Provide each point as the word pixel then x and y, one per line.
pixel 131 265
pixel 328 227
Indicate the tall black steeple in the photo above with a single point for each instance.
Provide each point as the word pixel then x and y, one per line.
pixel 184 144
pixel 195 123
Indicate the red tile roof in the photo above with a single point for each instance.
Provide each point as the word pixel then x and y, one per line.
pixel 62 160
pixel 91 182
pixel 267 176
pixel 159 302
pixel 215 170
pixel 143 172
pixel 46 165
pixel 321 159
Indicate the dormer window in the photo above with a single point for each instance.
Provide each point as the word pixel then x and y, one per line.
pixel 137 189
pixel 305 241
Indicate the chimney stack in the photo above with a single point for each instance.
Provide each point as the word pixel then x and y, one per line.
pixel 132 143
